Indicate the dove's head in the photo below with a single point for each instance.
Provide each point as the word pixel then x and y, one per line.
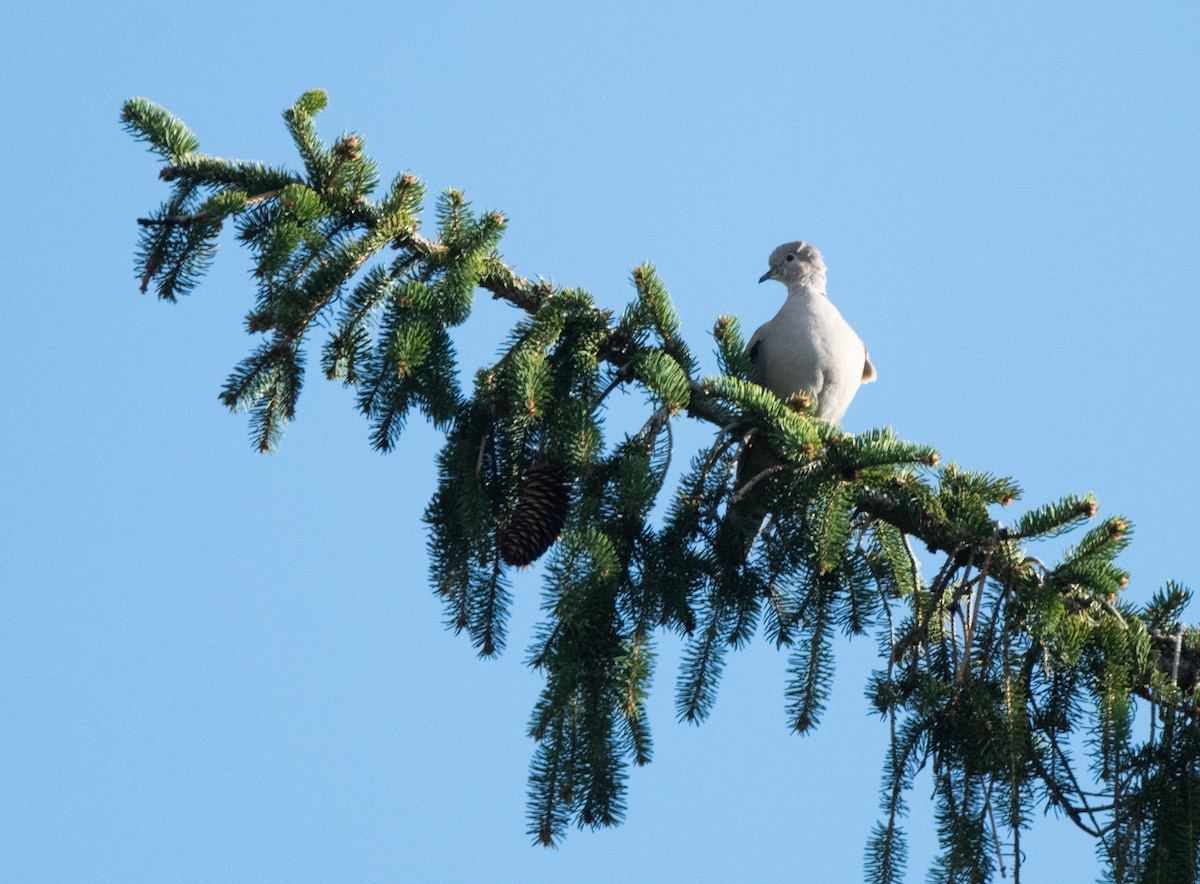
pixel 796 264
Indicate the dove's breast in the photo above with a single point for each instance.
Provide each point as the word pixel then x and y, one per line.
pixel 809 346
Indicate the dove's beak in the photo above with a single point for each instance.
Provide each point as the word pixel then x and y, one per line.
pixel 770 274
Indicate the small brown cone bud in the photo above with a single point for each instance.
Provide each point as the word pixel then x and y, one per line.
pixel 347 148
pixel 538 517
pixel 799 402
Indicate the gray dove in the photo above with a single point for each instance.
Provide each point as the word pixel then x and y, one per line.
pixel 808 346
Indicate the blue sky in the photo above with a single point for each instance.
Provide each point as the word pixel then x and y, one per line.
pixel 216 666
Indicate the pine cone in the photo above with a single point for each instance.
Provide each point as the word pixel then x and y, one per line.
pixel 538 517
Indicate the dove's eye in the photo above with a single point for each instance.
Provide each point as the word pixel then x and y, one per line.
pixel 791 258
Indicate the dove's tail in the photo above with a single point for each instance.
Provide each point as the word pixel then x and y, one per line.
pixel 747 506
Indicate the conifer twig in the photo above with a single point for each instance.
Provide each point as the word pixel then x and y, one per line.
pixel 185 220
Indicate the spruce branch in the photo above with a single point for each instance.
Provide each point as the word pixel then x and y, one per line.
pixel 202 214
pixel 986 669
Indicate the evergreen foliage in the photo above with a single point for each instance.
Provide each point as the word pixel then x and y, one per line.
pixel 1016 683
